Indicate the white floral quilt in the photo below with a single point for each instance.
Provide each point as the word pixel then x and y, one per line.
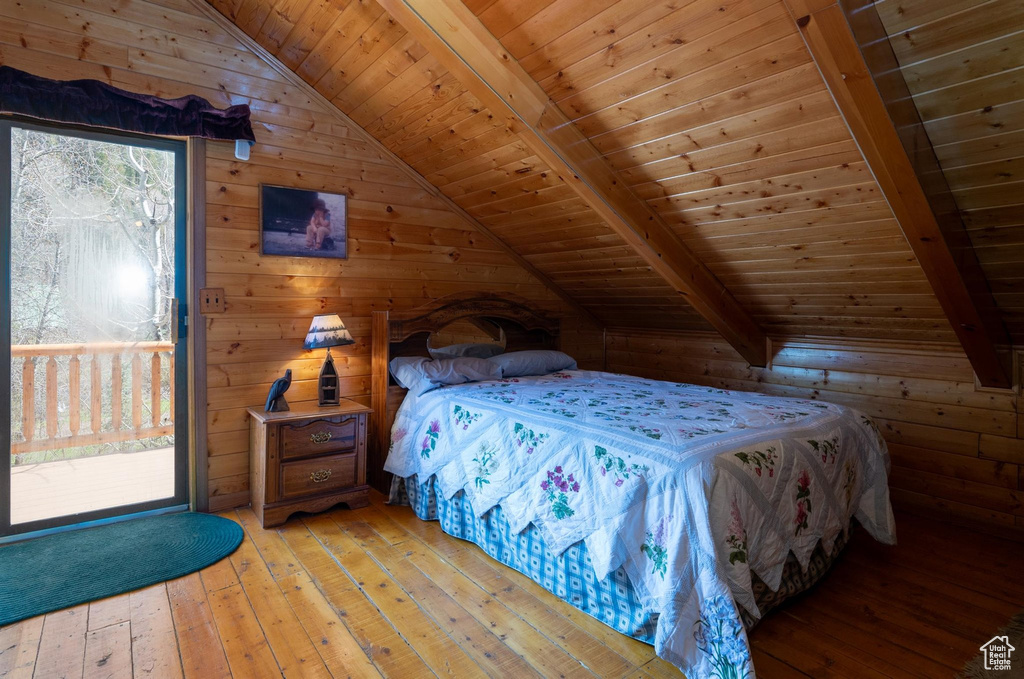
pixel 689 488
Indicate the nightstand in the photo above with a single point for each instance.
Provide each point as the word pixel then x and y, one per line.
pixel 307 459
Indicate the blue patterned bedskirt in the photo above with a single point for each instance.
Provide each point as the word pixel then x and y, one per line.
pixel 570 575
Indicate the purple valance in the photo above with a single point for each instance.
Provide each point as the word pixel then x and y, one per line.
pixel 91 102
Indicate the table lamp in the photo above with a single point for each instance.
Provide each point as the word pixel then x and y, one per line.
pixel 328 331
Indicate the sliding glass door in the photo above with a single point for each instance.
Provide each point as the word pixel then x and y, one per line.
pixel 92 233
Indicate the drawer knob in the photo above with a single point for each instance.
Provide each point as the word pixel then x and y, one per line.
pixel 320 475
pixel 320 437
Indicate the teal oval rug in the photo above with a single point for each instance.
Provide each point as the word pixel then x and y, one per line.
pixel 66 569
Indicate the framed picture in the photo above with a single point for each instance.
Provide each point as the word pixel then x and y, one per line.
pixel 303 223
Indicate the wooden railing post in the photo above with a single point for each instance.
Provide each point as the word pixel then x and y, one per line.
pixel 74 394
pixel 51 398
pixel 116 388
pixel 154 389
pixel 28 398
pixel 95 395
pixel 170 363
pixel 136 391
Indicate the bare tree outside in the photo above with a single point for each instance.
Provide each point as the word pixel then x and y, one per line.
pixel 92 262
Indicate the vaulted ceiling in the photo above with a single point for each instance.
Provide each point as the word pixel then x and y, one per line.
pixel 963 61
pixel 713 112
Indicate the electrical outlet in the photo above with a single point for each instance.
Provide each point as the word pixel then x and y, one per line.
pixel 211 301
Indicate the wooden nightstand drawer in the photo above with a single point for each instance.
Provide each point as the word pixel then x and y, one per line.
pixel 317 475
pixel 317 437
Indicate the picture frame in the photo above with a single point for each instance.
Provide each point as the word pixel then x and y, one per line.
pixel 303 223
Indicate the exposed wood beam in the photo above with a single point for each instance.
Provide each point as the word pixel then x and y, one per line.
pixel 358 132
pixel 946 262
pixel 457 39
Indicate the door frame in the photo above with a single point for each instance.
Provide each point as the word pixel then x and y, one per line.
pixel 183 289
pixel 199 459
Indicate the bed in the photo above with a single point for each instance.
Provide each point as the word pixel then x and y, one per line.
pixel 676 513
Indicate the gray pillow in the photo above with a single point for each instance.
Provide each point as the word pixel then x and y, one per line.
pixel 420 375
pixel 472 350
pixel 536 362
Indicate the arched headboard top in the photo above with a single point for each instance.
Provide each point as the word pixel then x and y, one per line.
pixel 405 333
pixel 442 312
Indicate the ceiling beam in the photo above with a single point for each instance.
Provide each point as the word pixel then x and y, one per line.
pixel 329 108
pixel 457 39
pixel 951 269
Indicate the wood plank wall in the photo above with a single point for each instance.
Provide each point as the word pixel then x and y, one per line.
pixel 405 247
pixel 459 332
pixel 358 57
pixel 957 452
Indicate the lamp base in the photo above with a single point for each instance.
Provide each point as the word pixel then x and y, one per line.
pixel 327 388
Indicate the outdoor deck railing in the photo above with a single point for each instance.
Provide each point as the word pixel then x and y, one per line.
pixel 106 421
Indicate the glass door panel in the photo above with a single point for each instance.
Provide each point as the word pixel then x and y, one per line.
pixel 95 229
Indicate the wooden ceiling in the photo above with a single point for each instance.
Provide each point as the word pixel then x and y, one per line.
pixel 711 111
pixel 963 61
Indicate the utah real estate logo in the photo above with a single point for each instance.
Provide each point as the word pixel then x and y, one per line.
pixel 997 652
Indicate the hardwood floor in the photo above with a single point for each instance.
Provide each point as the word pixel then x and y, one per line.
pixel 377 592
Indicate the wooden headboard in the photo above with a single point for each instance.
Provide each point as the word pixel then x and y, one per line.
pixel 405 333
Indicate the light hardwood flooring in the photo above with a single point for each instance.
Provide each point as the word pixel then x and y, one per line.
pixel 378 592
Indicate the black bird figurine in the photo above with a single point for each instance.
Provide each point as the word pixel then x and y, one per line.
pixel 275 399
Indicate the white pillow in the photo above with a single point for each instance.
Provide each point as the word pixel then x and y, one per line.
pixel 536 362
pixel 419 375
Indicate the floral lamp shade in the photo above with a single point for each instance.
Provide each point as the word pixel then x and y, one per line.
pixel 327 330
